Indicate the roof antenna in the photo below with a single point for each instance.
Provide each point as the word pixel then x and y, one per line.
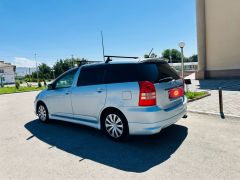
pixel 150 53
pixel 103 47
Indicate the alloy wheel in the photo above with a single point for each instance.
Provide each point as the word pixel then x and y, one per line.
pixel 42 113
pixel 114 125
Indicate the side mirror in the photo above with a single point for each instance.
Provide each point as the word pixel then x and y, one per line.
pixel 50 87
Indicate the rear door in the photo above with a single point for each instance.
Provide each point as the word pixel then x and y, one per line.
pixel 168 80
pixel 165 79
pixel 88 97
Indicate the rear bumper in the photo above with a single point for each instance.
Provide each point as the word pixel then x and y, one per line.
pixel 150 120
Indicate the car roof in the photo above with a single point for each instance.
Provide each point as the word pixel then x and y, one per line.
pixel 118 62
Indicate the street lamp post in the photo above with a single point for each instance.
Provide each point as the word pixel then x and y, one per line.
pixel 181 45
pixel 53 73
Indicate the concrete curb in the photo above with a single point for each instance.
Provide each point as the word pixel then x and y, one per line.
pixel 20 92
pixel 215 114
pixel 197 98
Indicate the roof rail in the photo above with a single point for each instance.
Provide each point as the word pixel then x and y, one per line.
pixel 109 58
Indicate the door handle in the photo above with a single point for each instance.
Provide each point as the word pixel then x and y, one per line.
pixel 67 93
pixel 99 90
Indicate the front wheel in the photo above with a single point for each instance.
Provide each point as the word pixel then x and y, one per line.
pixel 42 113
pixel 116 126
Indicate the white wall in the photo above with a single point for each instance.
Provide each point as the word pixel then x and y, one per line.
pixel 8 75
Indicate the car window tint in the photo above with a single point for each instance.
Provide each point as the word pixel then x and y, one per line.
pixel 91 76
pixel 139 72
pixel 66 80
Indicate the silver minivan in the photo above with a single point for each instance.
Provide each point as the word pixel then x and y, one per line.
pixel 120 98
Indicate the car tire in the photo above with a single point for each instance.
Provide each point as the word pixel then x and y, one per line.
pixel 42 113
pixel 115 125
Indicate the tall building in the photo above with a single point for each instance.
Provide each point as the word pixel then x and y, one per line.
pixel 218 34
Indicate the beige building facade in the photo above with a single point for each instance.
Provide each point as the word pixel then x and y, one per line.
pixel 218 34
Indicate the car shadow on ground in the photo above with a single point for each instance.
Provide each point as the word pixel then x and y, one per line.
pixel 136 154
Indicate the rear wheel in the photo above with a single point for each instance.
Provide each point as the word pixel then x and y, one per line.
pixel 115 126
pixel 42 113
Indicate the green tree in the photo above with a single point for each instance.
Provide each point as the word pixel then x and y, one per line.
pixel 166 54
pixel 44 71
pixel 173 54
pixel 65 64
pixel 193 58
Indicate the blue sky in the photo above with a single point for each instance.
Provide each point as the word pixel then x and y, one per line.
pixel 59 28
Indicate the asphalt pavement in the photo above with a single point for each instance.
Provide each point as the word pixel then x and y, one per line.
pixel 199 147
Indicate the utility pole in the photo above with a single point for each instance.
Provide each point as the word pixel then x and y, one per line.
pixel 35 55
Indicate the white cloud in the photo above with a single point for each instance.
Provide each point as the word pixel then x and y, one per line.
pixel 24 62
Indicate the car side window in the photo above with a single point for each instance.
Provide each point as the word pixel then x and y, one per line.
pixel 92 76
pixel 66 80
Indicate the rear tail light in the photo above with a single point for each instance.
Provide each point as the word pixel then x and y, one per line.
pixel 147 95
pixel 176 92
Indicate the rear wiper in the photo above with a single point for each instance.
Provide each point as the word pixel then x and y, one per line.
pixel 166 79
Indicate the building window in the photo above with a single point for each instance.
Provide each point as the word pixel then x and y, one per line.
pixel 3 78
pixel 1 70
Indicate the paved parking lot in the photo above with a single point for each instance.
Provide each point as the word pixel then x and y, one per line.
pixel 200 147
pixel 210 104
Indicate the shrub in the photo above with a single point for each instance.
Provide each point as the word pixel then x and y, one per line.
pixel 17 84
pixel 20 81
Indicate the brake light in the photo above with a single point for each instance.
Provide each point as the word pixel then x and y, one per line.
pixel 147 95
pixel 176 92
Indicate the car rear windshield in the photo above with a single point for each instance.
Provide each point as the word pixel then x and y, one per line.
pixel 154 72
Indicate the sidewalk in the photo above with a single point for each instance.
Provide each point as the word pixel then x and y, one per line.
pixel 210 104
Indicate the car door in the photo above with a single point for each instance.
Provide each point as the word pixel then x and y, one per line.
pixel 89 95
pixel 59 98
